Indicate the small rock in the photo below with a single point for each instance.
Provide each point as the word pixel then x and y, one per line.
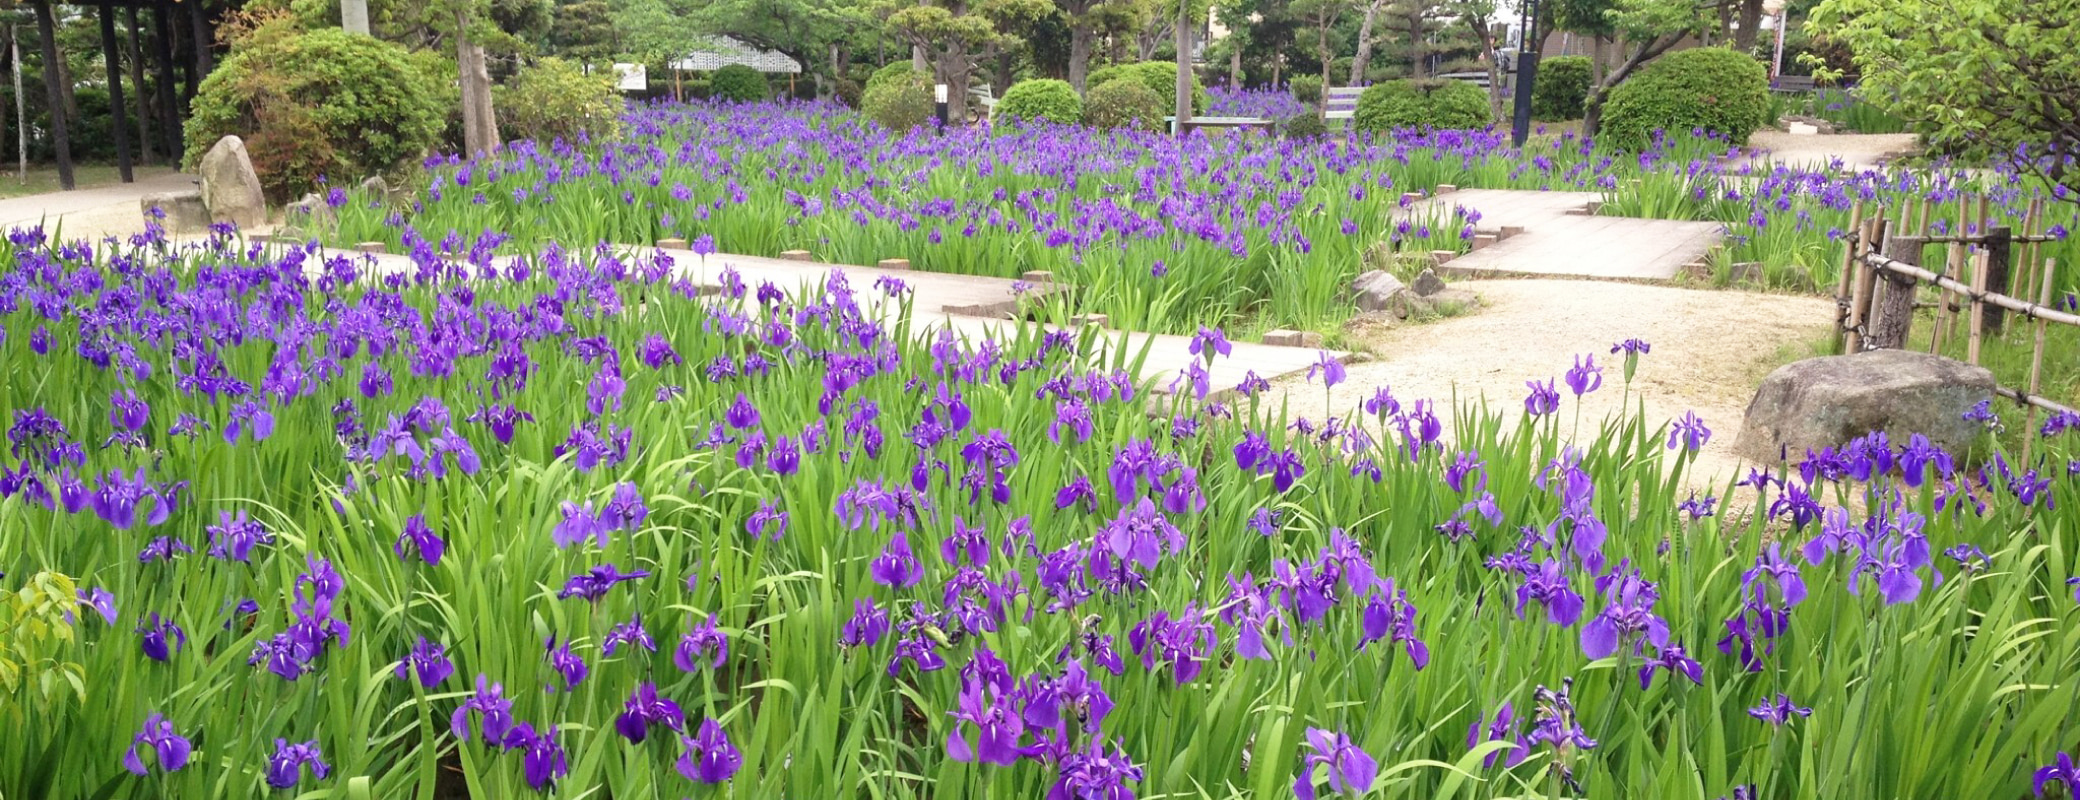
pixel 795 255
pixel 671 243
pixel 1427 283
pixel 1446 302
pixel 1832 400
pixel 1292 338
pixel 1375 290
pixel 1747 272
pixel 184 210
pixel 894 263
pixel 375 186
pixel 309 209
pixel 230 187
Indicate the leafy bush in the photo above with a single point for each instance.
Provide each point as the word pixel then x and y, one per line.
pixel 847 92
pixel 1431 104
pixel 894 72
pixel 737 83
pixel 1125 103
pixel 1306 89
pixel 1561 86
pixel 1708 88
pixel 554 99
pixel 1158 76
pixel 321 103
pixel 899 103
pixel 1305 126
pixel 1044 98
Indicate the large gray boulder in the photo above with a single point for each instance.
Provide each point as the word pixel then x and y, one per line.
pixel 1829 401
pixel 230 187
pixel 182 211
pixel 1376 290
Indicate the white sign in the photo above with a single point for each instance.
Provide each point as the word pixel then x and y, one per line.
pixel 632 77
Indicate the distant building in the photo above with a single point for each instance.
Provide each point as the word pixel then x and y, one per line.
pixel 724 51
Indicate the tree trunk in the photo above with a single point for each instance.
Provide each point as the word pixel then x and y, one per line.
pixel 1592 106
pixel 1235 68
pixel 1750 26
pixel 205 38
pixel 1599 60
pixel 1182 37
pixel 1892 311
pixel 1081 39
pixel 1492 61
pixel 169 109
pixel 917 60
pixel 1321 51
pixel 47 31
pixel 353 16
pixel 958 66
pixel 1363 57
pixel 479 122
pixel 116 106
pixel 135 47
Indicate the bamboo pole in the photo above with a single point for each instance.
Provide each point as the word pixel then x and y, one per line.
pixel 1843 282
pixel 1954 262
pixel 2023 307
pixel 2026 255
pixel 1866 280
pixel 2036 363
pixel 1980 264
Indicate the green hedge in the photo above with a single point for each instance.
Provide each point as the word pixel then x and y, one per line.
pixel 893 72
pixel 555 99
pixel 1044 98
pixel 1431 104
pixel 1159 76
pixel 900 100
pixel 1306 89
pixel 737 83
pixel 323 103
pixel 1125 103
pixel 1709 88
pixel 1560 88
pixel 1305 126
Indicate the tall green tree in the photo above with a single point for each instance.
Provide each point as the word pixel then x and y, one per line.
pixel 1649 28
pixel 1984 77
pixel 813 32
pixel 956 35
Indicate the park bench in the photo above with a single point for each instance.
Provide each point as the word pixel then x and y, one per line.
pixel 1225 123
pixel 1792 83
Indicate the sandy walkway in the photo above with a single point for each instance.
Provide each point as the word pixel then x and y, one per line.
pixel 1710 349
pixel 1858 151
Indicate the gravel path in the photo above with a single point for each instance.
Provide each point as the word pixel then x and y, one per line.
pixel 1710 349
pixel 1858 151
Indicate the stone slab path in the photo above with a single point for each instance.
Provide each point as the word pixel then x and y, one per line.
pixel 1560 241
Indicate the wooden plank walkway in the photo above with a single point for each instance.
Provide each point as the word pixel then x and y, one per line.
pixel 971 306
pixel 1560 241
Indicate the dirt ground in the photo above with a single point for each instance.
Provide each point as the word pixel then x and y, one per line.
pixel 1858 151
pixel 1710 349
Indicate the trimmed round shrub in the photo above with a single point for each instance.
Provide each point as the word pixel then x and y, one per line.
pixel 899 103
pixel 1561 86
pixel 892 72
pixel 1125 103
pixel 737 83
pixel 554 99
pixel 1305 126
pixel 1306 89
pixel 1159 76
pixel 1043 98
pixel 1431 104
pixel 325 103
pixel 847 92
pixel 1708 88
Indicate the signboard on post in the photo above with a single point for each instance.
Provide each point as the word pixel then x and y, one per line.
pixel 632 77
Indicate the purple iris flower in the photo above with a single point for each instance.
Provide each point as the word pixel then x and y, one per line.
pixel 566 663
pixel 285 768
pixel 578 524
pixel 1331 369
pixel 997 723
pixel 897 566
pixel 1468 463
pixel 101 601
pixel 866 627
pixel 765 521
pixel 645 710
pixel 1676 661
pixel 709 757
pixel 741 414
pixel 164 548
pixel 628 633
pixel 1350 769
pixel 1502 729
pixel 1779 710
pixel 161 638
pixel 1557 724
pixel 1689 432
pixel 656 352
pixel 128 412
pixel 2060 772
pixel 1547 584
pixel 1770 566
pixel 542 759
pixel 1627 616
pixel 706 642
pixel 429 661
pixel 1585 377
pixel 1389 615
pixel 1208 342
pixel 596 582
pixel 234 536
pixel 625 511
pixel 1186 642
pixel 421 540
pixel 494 712
pixel 785 458
pixel 158 737
pixel 1543 400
